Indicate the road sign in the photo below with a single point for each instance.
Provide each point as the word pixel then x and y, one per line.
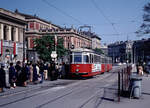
pixel 53 54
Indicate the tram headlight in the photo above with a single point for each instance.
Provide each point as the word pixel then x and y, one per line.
pixel 77 70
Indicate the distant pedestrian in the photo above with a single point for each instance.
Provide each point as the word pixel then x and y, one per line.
pixel 41 66
pixel 140 70
pixel 18 68
pixel 30 66
pixel 53 72
pixel 23 76
pixel 63 70
pixel 12 76
pixel 60 71
pixel 2 78
pixel 35 75
pixel 45 71
pixel 49 71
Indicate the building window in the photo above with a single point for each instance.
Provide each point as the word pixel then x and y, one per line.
pixel 31 25
pixel 37 26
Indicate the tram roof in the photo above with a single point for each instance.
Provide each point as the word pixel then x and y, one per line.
pixel 81 50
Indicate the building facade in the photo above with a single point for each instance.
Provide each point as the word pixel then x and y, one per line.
pixel 104 49
pixel 96 42
pixel 37 27
pixel 121 52
pixel 141 51
pixel 72 38
pixel 12 26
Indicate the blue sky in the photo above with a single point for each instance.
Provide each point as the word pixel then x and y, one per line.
pixel 125 15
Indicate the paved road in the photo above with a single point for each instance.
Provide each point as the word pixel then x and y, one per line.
pixel 65 94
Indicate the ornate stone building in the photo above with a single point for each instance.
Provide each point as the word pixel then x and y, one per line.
pixel 35 27
pixel 72 38
pixel 38 27
pixel 12 26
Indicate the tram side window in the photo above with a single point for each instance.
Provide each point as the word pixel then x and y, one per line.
pixel 86 59
pixel 96 59
pixel 78 58
pixel 99 59
pixel 103 60
pixel 91 58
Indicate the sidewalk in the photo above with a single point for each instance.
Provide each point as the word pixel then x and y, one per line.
pixel 144 101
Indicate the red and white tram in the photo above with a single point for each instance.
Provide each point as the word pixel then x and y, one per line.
pixel 86 63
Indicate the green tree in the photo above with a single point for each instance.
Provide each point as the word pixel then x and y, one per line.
pixel 145 27
pixel 45 45
pixel 98 50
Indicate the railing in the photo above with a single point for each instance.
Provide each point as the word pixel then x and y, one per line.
pixel 123 80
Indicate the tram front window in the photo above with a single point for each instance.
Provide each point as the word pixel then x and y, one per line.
pixel 78 58
pixel 86 58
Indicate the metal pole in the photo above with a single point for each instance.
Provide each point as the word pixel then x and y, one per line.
pixel 122 80
pixel 118 86
pixel 55 43
pixel 23 45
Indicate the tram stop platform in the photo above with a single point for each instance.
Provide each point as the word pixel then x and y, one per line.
pixel 126 102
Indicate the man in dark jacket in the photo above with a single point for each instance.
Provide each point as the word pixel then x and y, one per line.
pixel 53 72
pixel 2 78
pixel 12 76
pixel 23 77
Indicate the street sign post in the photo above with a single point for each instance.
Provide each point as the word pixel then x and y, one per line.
pixel 54 54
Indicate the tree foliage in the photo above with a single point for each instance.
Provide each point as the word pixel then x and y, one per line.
pixel 46 44
pixel 145 27
pixel 98 50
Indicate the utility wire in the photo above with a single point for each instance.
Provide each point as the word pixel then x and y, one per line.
pixel 62 12
pixel 118 34
pixel 102 13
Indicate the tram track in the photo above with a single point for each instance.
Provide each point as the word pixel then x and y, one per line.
pixel 73 91
pixel 53 100
pixel 99 99
pixel 30 89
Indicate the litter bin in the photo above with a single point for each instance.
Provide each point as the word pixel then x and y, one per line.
pixel 135 81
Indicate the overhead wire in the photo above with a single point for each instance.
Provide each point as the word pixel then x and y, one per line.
pixel 127 33
pixel 79 22
pixel 62 12
pixel 102 13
